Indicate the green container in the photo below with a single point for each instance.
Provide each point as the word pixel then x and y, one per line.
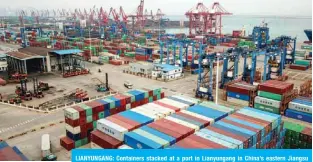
pixel 111 102
pixel 150 99
pixel 87 109
pixel 269 95
pixel 105 50
pixel 158 96
pixel 266 108
pixel 307 47
pixel 303 62
pixel 130 54
pixel 156 90
pixel 300 53
pixel 78 143
pixel 94 124
pixel 101 115
pixel 89 119
pixel 84 141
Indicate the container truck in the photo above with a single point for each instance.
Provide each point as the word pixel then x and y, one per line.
pixel 46 149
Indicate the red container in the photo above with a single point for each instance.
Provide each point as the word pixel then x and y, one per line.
pixel 120 123
pixel 210 144
pixel 185 131
pixel 95 117
pixel 142 57
pixel 240 88
pixel 186 143
pixel 236 33
pixel 176 109
pixel 73 123
pixel 83 134
pixel 82 112
pixel 298 67
pixel 82 121
pixel 167 131
pixel 275 86
pixel 133 104
pixel 121 108
pixel 96 106
pixel 149 91
pixel 155 98
pixel 67 143
pixel 162 94
pixel 126 120
pixel 115 62
pixel 113 111
pixel 104 141
pixel 145 101
pixel 89 126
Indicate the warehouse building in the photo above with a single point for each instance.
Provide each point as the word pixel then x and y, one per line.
pixel 167 72
pixel 140 68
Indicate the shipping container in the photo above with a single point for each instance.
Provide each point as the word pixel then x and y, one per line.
pixel 182 122
pixel 299 115
pixel 238 96
pixel 174 103
pixel 88 109
pixel 208 136
pixel 202 117
pixel 267 108
pixel 159 137
pixel 105 141
pixel 222 108
pixel 268 102
pixel 237 101
pixel 138 141
pixel 146 113
pixel 203 139
pixel 111 129
pixel 189 99
pixel 183 117
pixel 71 113
pixel 67 143
pixel 269 95
pixel 160 108
pixel 136 117
pixel 163 104
pixel 181 100
pixel 73 130
pixel 211 113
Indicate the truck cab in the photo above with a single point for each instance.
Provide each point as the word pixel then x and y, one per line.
pixel 128 85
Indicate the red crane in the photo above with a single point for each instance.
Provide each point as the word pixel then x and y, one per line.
pixel 116 17
pixel 123 15
pixel 198 17
pixel 138 18
pixel 216 13
pixel 35 16
pixel 21 16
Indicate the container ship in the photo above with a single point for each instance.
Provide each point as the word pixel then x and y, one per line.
pixel 308 33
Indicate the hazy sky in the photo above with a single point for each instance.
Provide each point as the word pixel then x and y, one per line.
pixel 178 7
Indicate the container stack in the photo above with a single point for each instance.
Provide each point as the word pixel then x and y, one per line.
pixel 297 136
pixel 141 54
pixel 300 109
pixel 241 93
pixel 8 153
pixel 111 131
pixel 175 127
pixel 81 120
pixel 274 96
pixel 246 128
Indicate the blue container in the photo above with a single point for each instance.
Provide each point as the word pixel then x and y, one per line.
pixel 187 120
pixel 211 113
pixel 164 136
pixel 106 112
pixel 238 96
pixel 180 100
pixel 117 101
pixel 105 104
pixel 138 95
pixel 233 131
pixel 3 145
pixel 74 137
pixel 223 137
pixel 137 141
pixel 143 120
pixel 259 127
pixel 16 150
pixel 304 102
pixel 299 115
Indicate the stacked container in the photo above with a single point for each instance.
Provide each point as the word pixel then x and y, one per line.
pixel 8 153
pixel 118 125
pixel 141 54
pixel 81 120
pixel 241 93
pixel 301 65
pixel 246 128
pixel 175 127
pixel 274 96
pixel 297 136
pixel 300 109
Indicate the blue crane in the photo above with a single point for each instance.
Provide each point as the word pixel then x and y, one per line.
pixel 260 35
pixel 77 29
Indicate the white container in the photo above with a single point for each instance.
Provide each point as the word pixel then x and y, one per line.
pixel 198 116
pixel 128 106
pixel 184 123
pixel 146 113
pixel 73 130
pixel 174 103
pixel 111 129
pixel 45 145
pixel 158 112
pixel 95 146
pixel 160 109
pixel 124 147
pixel 71 113
pixel 266 101
pixel 300 107
pixel 237 101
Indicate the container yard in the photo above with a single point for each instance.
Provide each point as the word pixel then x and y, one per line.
pixel 108 78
